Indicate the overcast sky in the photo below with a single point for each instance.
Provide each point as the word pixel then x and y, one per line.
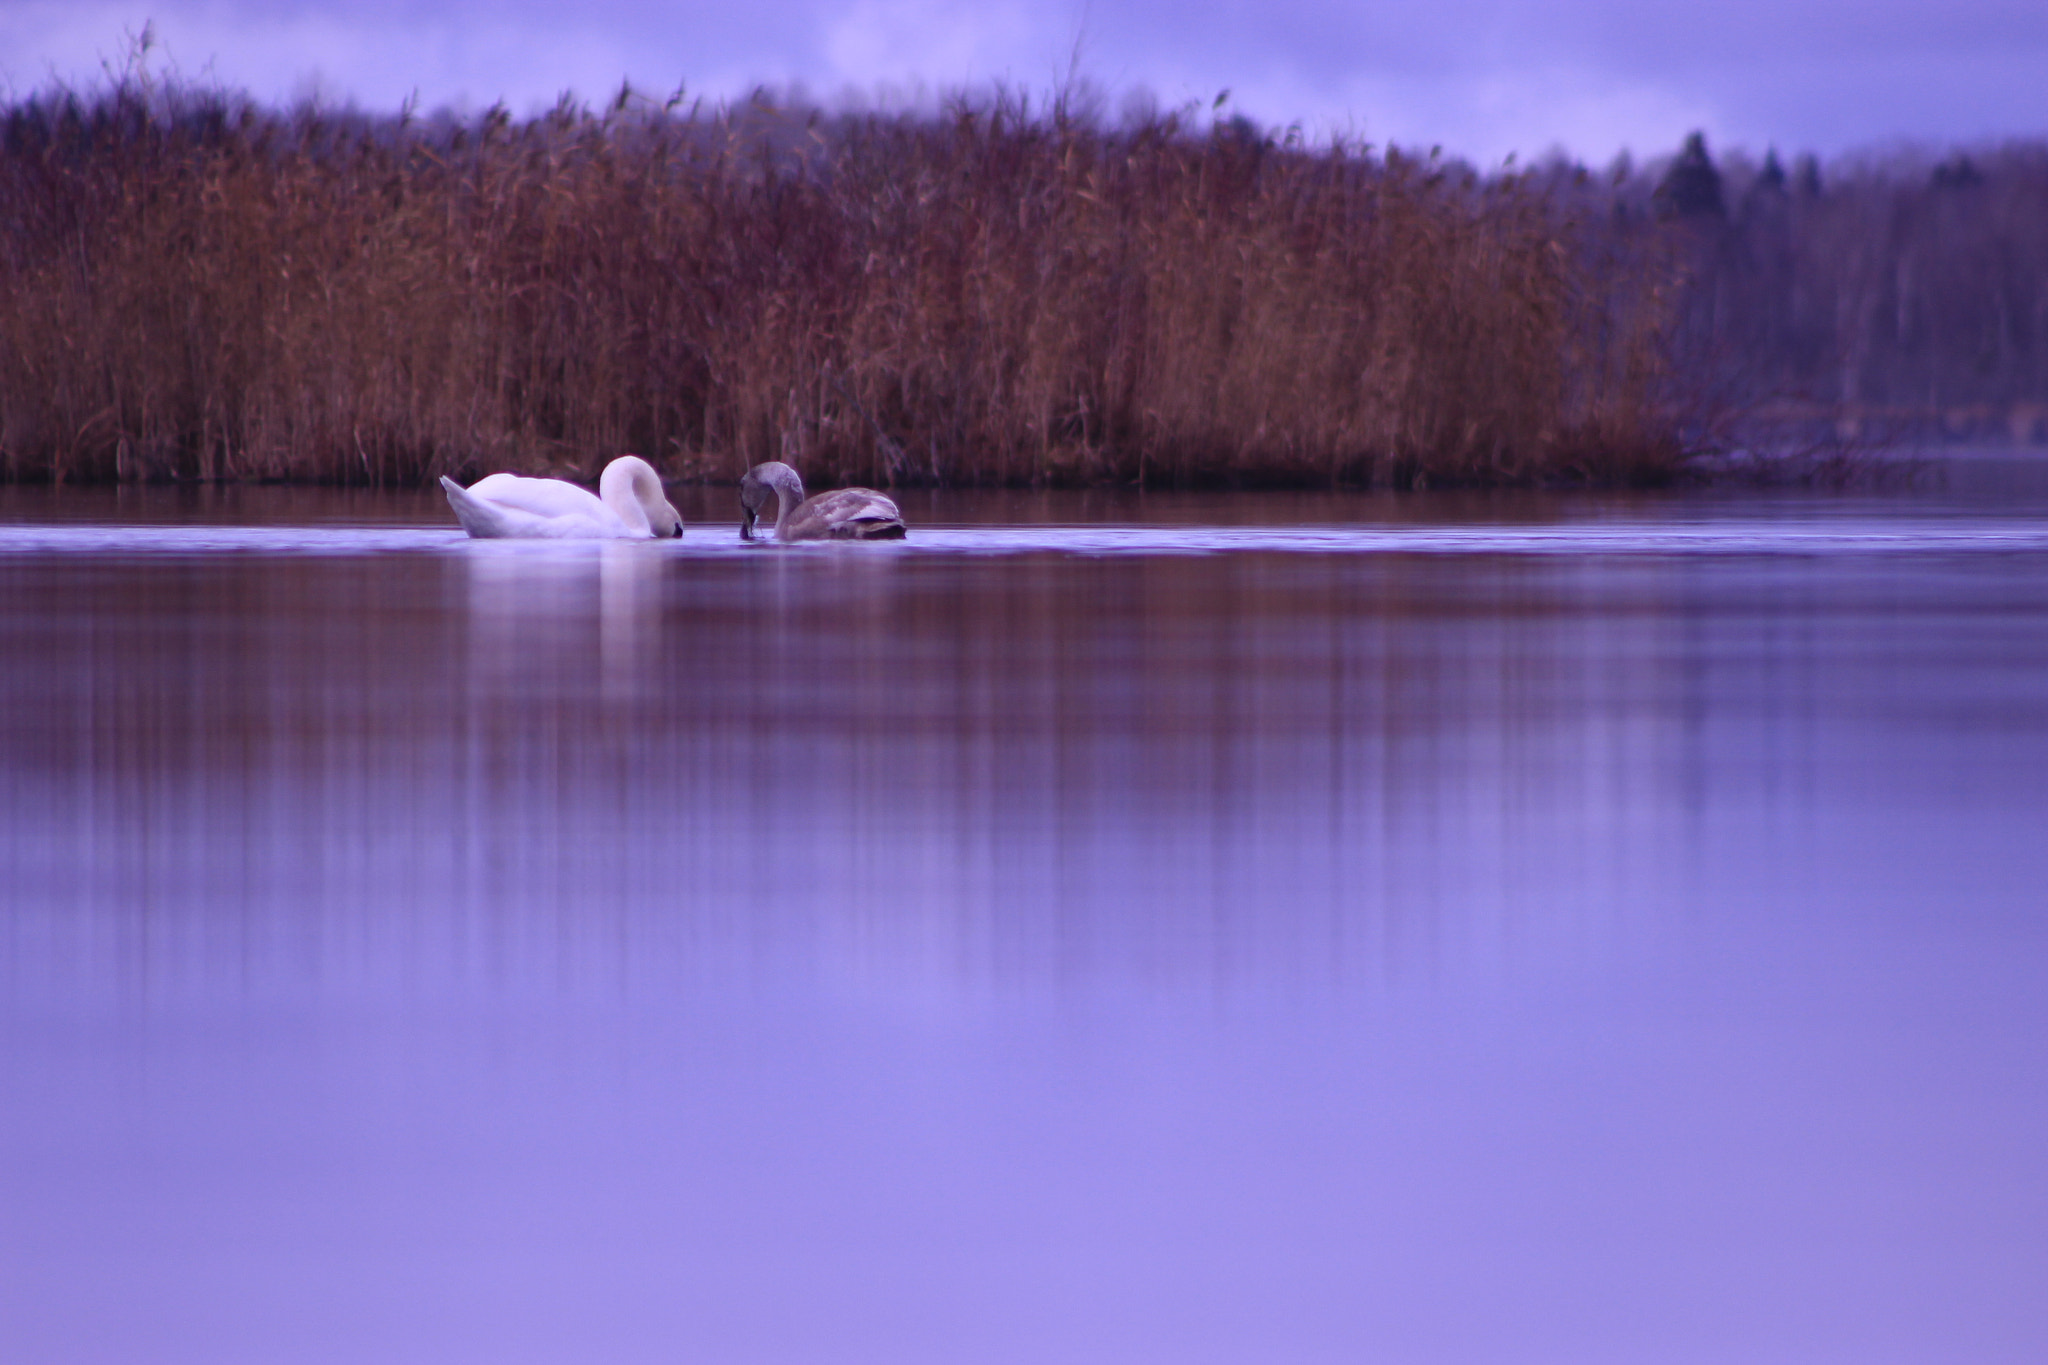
pixel 1481 77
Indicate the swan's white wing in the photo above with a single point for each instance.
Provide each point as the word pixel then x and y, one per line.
pixel 512 508
pixel 541 497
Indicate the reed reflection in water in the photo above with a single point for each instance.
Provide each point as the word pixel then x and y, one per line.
pixel 621 952
pixel 1039 767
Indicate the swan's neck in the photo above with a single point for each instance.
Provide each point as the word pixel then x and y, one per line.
pixel 629 486
pixel 789 494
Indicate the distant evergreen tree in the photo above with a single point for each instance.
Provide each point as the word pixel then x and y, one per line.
pixel 1772 176
pixel 1957 173
pixel 1806 173
pixel 1691 188
pixel 1766 194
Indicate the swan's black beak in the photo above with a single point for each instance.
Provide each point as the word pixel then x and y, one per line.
pixel 746 522
pixel 679 530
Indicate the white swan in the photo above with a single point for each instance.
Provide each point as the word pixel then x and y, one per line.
pixel 842 514
pixel 628 505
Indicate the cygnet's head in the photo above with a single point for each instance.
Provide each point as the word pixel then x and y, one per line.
pixel 760 483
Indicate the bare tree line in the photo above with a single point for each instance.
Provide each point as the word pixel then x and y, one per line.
pixel 1903 293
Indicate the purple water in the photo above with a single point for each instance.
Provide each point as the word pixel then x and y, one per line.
pixel 1100 929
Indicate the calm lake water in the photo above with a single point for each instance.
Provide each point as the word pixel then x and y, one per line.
pixel 1098 929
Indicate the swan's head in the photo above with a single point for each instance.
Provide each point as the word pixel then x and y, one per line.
pixel 753 496
pixel 758 484
pixel 666 522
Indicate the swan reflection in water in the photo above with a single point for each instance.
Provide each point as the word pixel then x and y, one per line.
pixel 542 619
pixel 842 514
pixel 629 505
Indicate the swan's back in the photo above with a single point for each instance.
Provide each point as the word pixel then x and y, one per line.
pixel 846 514
pixel 541 497
pixel 508 507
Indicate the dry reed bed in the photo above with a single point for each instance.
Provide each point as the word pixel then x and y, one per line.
pixel 195 288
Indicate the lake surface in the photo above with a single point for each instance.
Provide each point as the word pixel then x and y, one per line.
pixel 1098 929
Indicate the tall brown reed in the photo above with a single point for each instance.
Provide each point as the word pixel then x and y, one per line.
pixel 192 287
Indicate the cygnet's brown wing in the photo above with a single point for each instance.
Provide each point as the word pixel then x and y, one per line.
pixel 847 514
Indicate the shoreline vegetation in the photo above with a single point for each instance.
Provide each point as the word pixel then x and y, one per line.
pixel 999 292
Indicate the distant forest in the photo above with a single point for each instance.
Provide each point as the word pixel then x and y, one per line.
pixel 1903 294
pixel 194 287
